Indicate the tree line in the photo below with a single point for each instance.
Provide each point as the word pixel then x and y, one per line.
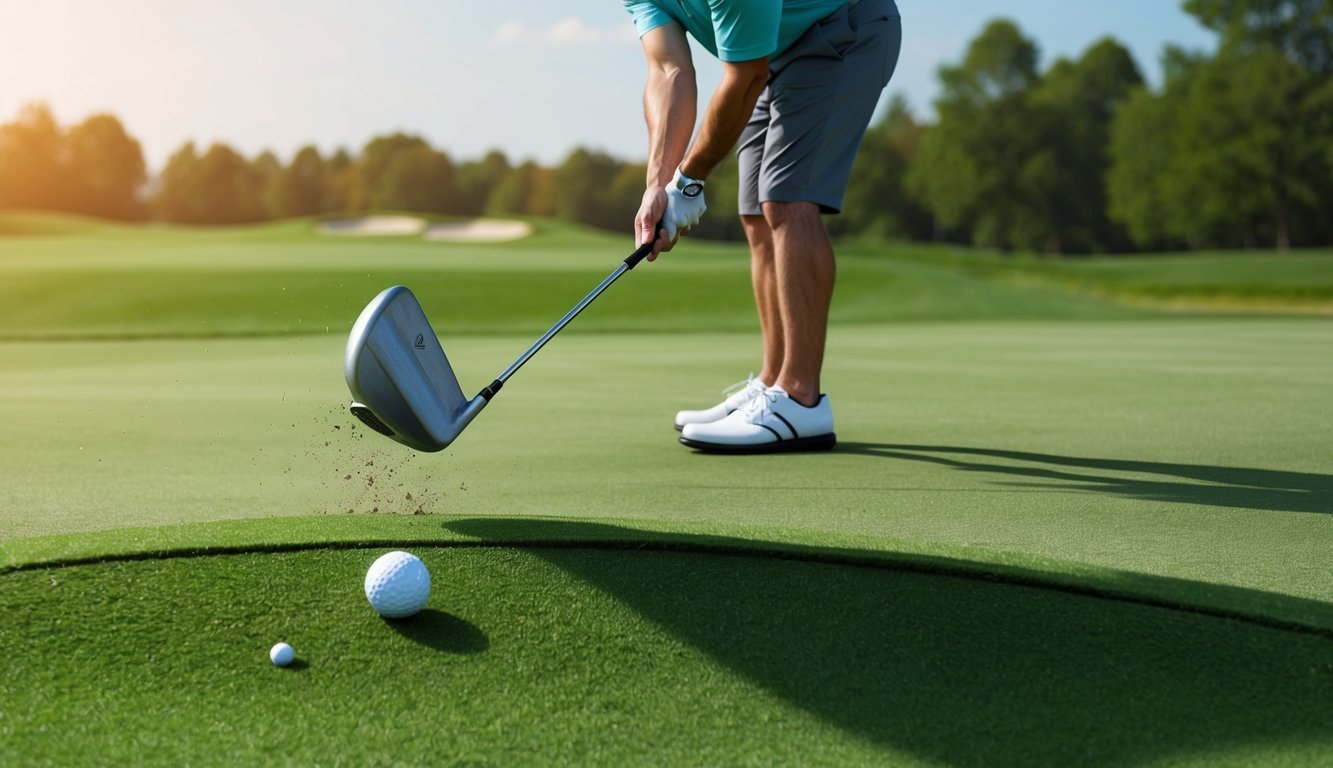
pixel 1234 149
pixel 96 168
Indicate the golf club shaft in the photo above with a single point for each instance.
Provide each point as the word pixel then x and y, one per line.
pixel 625 266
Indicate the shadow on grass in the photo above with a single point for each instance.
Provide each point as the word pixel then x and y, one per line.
pixel 441 631
pixel 1231 487
pixel 964 671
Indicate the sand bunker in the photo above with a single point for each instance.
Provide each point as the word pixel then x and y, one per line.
pixel 479 230
pixel 474 231
pixel 374 226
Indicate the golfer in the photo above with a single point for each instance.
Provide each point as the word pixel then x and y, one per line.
pixel 800 81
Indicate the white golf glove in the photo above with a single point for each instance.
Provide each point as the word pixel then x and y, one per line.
pixel 683 209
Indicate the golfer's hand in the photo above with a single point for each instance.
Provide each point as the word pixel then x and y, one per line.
pixel 681 213
pixel 650 214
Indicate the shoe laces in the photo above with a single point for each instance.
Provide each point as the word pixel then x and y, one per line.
pixel 738 386
pixel 759 407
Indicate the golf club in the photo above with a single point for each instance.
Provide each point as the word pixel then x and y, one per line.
pixel 401 382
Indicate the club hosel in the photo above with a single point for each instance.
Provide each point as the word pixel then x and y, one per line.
pixel 490 389
pixel 461 420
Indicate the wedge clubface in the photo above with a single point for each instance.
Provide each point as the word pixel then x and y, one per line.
pixel 402 384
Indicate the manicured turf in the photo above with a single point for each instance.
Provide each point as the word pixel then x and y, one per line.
pixel 1063 525
pixel 614 658
pixel 109 282
pixel 1088 443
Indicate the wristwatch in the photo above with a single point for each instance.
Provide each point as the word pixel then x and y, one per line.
pixel 688 187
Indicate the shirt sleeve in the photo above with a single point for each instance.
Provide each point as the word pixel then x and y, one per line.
pixel 745 29
pixel 647 16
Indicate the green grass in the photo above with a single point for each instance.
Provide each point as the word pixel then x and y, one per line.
pixel 1299 282
pixel 605 657
pixel 87 281
pixel 1065 524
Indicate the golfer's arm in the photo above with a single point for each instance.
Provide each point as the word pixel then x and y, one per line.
pixel 669 100
pixel 728 112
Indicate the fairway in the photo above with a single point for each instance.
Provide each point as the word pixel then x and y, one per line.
pixel 1079 512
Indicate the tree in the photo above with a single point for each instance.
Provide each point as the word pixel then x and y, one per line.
pixel 1241 152
pixel 105 168
pixel 583 184
pixel 175 197
pixel 971 164
pixel 32 166
pixel 627 189
pixel 1077 101
pixel 1252 141
pixel 478 178
pixel 267 168
pixel 231 190
pixel 878 202
pixel 1301 30
pixel 94 168
pixel 417 179
pixel 528 190
pixel 1266 101
pixel 304 187
pixel 378 155
pixel 1142 152
pixel 219 187
pixel 347 190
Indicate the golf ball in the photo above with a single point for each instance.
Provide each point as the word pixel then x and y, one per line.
pixel 397 585
pixel 281 655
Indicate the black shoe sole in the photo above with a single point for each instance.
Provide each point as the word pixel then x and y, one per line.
pixel 799 445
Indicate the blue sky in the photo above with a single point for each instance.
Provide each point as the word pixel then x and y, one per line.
pixel 534 78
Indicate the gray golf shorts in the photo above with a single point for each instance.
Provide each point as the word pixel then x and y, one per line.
pixel 809 120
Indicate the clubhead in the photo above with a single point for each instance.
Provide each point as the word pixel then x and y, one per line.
pixel 401 382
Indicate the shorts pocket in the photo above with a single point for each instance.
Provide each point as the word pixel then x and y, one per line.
pixel 828 39
pixel 837 34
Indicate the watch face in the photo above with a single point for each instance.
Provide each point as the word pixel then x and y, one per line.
pixel 692 189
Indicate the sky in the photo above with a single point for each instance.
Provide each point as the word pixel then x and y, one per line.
pixel 533 78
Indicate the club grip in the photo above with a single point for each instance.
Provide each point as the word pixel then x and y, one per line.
pixel 639 255
pixel 642 251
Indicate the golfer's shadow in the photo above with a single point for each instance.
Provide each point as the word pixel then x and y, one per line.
pixel 1228 487
pixel 442 631
pixel 954 671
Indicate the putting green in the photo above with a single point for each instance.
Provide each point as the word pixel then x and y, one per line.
pixel 1182 449
pixel 614 657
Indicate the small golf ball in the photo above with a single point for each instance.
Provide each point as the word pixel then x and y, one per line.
pixel 397 585
pixel 281 655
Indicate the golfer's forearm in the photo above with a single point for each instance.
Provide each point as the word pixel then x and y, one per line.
pixel 728 112
pixel 669 101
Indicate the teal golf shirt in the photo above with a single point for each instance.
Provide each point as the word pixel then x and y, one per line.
pixel 734 30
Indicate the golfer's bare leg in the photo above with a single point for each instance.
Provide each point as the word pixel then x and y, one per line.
pixel 763 275
pixel 805 270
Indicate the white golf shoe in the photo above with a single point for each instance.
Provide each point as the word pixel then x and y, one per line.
pixel 737 395
pixel 770 423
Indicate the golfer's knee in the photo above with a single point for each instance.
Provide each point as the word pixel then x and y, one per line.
pixel 781 215
pixel 757 233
